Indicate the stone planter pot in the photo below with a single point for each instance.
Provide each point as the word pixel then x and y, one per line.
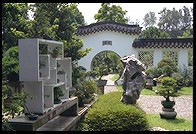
pixel 168 110
pixel 32 116
pixel 101 82
pixel 168 115
pixel 57 101
pixel 54 55
pixel 167 104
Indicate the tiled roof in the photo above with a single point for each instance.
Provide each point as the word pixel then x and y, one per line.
pixel 108 26
pixel 164 43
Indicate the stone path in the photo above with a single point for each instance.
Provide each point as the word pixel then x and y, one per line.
pixel 110 87
pixel 110 82
pixel 152 104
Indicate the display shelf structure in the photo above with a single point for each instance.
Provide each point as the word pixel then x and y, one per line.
pixel 41 73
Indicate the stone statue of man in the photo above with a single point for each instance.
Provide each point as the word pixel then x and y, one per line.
pixel 133 79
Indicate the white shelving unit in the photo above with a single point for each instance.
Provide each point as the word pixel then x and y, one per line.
pixel 41 79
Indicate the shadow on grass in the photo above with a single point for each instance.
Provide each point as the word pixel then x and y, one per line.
pixel 177 124
pixel 176 120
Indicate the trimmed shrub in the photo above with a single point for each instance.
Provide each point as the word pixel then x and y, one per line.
pixel 109 114
pixel 167 62
pixel 86 92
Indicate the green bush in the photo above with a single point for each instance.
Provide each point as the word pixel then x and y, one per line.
pixel 109 114
pixel 85 92
pixel 167 89
pixel 154 72
pixel 167 62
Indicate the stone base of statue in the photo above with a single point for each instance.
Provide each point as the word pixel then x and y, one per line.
pixel 130 98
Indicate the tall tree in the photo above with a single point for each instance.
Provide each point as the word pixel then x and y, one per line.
pixel 10 68
pixel 154 33
pixel 187 34
pixel 58 21
pixel 45 23
pixel 175 22
pixel 15 23
pixel 149 19
pixel 111 13
pixel 186 18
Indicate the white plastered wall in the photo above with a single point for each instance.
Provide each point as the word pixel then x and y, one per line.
pixel 121 44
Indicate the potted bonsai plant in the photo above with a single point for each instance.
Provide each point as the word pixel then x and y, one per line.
pixel 100 72
pixel 167 90
pixel 55 52
pixel 57 93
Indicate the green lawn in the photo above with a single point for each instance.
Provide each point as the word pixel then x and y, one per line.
pixel 183 91
pixel 177 124
pixel 115 77
pixel 186 91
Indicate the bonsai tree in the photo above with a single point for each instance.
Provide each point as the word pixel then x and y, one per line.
pixel 167 66
pixel 57 93
pixel 167 89
pixel 55 51
pixel 61 72
pixel 101 71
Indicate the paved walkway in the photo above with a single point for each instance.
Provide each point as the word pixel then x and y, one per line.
pixel 110 87
pixel 152 104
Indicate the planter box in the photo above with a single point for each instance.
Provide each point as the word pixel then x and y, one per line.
pixel 101 82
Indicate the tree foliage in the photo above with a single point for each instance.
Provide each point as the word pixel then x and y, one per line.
pixel 52 21
pixel 171 24
pixel 106 62
pixel 150 19
pixel 154 33
pixel 58 21
pixel 175 22
pixel 111 13
pixel 167 66
pixel 15 23
pixel 61 19
pixel 10 63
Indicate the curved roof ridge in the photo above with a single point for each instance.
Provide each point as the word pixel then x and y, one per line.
pixel 110 26
pixel 164 43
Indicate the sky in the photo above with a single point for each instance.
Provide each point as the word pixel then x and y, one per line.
pixel 136 11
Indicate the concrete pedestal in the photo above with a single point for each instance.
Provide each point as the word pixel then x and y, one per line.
pixel 22 123
pixel 168 113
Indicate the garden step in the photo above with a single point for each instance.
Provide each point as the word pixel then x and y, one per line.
pixel 65 123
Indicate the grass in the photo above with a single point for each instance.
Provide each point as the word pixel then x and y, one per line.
pixel 177 124
pixel 115 77
pixel 186 91
pixel 183 91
